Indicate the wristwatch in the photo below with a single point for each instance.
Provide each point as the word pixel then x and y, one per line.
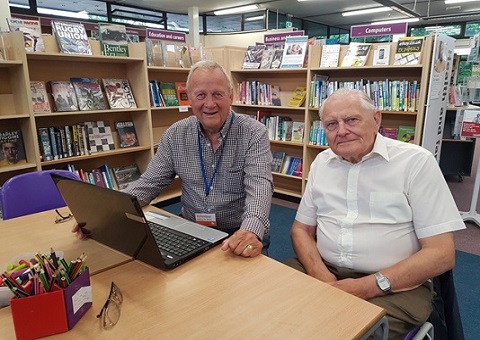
pixel 383 283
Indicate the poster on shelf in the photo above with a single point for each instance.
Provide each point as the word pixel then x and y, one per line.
pixel 471 124
pixel 437 100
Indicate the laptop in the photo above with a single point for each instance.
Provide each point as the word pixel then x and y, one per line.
pixel 115 219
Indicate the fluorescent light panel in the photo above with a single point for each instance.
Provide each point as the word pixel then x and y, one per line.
pixel 367 11
pixel 449 2
pixel 258 17
pixel 236 10
pixel 395 21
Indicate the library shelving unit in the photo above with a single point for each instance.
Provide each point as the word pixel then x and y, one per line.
pixel 289 79
pixel 15 107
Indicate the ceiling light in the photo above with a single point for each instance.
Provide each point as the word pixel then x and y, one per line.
pixel 367 11
pixel 236 10
pixel 449 2
pixel 258 17
pixel 395 21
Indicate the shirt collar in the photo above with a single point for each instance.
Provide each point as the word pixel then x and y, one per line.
pixel 226 126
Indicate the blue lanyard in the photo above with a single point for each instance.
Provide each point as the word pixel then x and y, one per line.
pixel 202 164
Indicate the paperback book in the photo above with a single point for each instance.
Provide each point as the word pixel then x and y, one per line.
pixel 356 55
pixel 40 98
pixel 278 157
pixel 125 175
pixel 64 97
pixel 12 147
pixel 294 52
pixel 113 39
pixel 100 136
pixel 406 133
pixel 71 37
pixel 181 90
pixel 169 94
pixel 119 94
pixel 408 51
pixel 330 55
pixel 253 56
pixel 381 55
pixel 298 96
pixel 277 59
pixel 267 59
pixel 127 136
pixel 89 94
pixel 32 33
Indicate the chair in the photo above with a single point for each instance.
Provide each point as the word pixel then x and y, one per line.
pixel 31 192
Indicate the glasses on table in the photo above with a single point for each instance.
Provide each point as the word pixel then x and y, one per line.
pixel 62 218
pixel 110 312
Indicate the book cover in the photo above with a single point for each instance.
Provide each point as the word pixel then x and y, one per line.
pixel 297 132
pixel 330 55
pixel 119 93
pixel 276 101
pixel 89 94
pixel 100 136
pixel 169 94
pixel 267 59
pixel 12 147
pixel 294 52
pixel 71 37
pixel 253 56
pixel 125 175
pixel 64 97
pixel 127 136
pixel 381 54
pixel 32 33
pixel 181 91
pixel 154 94
pixel 45 144
pixel 389 132
pixel 113 39
pixel 298 97
pixel 40 98
pixel 406 133
pixel 278 157
pixel 277 59
pixel 408 51
pixel 356 55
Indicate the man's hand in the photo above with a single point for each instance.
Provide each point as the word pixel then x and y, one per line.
pixel 243 243
pixel 80 230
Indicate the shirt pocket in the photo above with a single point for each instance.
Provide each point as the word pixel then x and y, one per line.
pixel 233 183
pixel 389 208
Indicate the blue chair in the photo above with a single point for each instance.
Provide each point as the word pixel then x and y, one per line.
pixel 31 192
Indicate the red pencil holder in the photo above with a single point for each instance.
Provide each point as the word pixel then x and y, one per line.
pixel 52 313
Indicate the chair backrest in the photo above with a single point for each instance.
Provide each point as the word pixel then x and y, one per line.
pixel 31 192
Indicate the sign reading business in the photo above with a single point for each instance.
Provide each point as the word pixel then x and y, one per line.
pixel 376 30
pixel 277 38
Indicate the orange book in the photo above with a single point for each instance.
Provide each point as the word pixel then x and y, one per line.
pixel 181 89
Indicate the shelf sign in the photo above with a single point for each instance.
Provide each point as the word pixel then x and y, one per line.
pixel 277 38
pixel 471 124
pixel 166 35
pixel 376 30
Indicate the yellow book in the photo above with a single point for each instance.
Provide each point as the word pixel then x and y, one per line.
pixel 298 96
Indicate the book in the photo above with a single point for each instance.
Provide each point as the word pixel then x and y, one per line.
pixel 267 59
pixel 294 52
pixel 119 93
pixel 330 55
pixel 32 33
pixel 381 54
pixel 168 92
pixel 12 147
pixel 253 56
pixel 125 175
pixel 278 157
pixel 277 59
pixel 406 133
pixel 408 51
pixel 127 136
pixel 297 131
pixel 44 143
pixel 40 98
pixel 181 91
pixel 113 39
pixel 389 132
pixel 71 37
pixel 356 55
pixel 63 94
pixel 100 136
pixel 89 94
pixel 155 100
pixel 275 91
pixel 298 97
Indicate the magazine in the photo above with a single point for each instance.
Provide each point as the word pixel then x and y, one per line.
pixel 71 37
pixel 113 39
pixel 32 33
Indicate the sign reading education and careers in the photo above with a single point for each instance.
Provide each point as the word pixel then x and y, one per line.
pixel 376 30
pixel 437 101
pixel 166 35
pixel 277 38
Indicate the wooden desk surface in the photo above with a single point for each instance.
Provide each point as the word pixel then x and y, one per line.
pixel 39 232
pixel 220 296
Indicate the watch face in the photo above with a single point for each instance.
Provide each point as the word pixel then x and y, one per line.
pixel 383 282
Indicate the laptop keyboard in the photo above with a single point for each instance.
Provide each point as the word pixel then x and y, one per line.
pixel 174 242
